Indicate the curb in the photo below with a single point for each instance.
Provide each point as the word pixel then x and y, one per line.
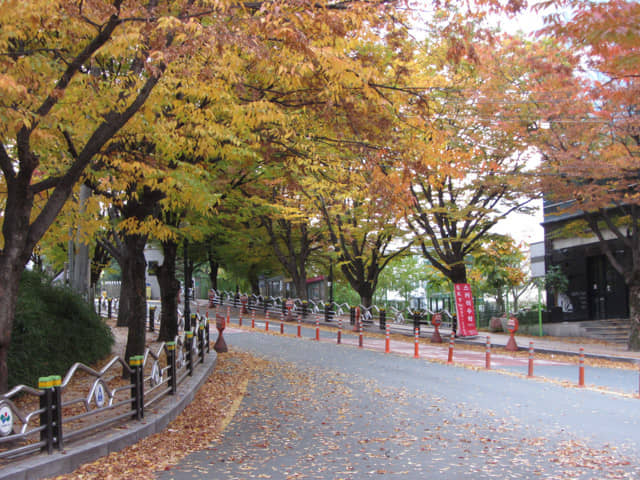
pixel 111 440
pixel 548 350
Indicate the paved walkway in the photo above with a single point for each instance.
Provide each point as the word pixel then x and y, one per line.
pixel 620 381
pixel 320 411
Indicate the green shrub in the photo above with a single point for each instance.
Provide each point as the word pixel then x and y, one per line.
pixel 53 328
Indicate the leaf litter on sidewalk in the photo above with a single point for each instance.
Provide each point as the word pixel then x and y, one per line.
pixel 296 424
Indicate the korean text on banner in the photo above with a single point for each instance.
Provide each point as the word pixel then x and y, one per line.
pixel 465 310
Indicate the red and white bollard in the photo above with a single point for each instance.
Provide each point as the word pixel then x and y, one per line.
pixel 339 331
pixel 387 348
pixel 317 329
pixel 228 316
pixel 240 318
pixel 530 372
pixel 360 337
pixel 487 355
pixel 416 344
pixel 253 319
pixel 299 326
pixel 266 322
pixel 581 369
pixel 281 323
pixel 450 356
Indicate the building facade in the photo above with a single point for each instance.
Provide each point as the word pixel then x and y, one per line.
pixel 596 291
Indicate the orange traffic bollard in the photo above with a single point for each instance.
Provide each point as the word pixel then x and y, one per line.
pixel 487 359
pixel 299 327
pixel 450 356
pixel 339 331
pixel 266 322
pixel 360 337
pixel 581 369
pixel 530 372
pixel 253 319
pixel 386 340
pixel 416 347
pixel 317 329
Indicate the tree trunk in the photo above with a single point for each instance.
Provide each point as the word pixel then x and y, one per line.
pixel 214 266
pixel 254 280
pixel 99 261
pixel 634 316
pixel 8 301
pixel 458 273
pixel 301 288
pixel 13 258
pixel 169 288
pixel 124 306
pixel 366 299
pixel 500 302
pixel 133 291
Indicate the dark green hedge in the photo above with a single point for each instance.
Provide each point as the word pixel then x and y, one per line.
pixel 54 328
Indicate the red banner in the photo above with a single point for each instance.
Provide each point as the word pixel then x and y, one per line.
pixel 464 308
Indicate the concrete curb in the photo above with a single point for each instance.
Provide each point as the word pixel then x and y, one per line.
pixel 111 440
pixel 480 341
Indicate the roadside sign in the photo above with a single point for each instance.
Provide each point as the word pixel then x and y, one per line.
pixel 465 310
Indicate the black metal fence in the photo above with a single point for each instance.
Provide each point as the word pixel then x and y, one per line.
pixel 86 401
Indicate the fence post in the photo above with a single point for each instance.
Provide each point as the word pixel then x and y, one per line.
pixel 416 321
pixel 56 382
pixel 207 333
pixel 137 402
pixel 188 335
pixel 201 341
pixel 352 315
pixel 173 369
pixel 152 318
pixel 109 306
pixel 46 417
pixel 305 308
pixel 383 319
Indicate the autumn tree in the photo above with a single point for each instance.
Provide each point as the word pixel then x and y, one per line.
pixel 57 115
pixel 589 119
pixel 463 155
pixel 499 269
pixel 362 227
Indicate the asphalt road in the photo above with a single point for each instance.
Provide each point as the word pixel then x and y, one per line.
pixel 321 411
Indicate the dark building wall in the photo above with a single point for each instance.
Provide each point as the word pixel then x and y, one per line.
pixel 596 290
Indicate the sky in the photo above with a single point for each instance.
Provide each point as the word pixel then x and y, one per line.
pixel 523 228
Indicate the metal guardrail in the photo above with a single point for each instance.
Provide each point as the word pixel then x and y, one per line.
pixel 86 401
pixel 369 315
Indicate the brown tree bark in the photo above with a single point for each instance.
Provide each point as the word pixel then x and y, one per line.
pixel 169 288
pixel 133 290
